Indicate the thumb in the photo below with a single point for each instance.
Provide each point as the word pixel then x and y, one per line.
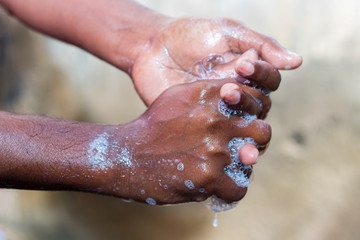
pixel 268 48
pixel 278 56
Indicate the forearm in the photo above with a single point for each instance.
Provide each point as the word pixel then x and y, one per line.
pixel 53 154
pixel 114 30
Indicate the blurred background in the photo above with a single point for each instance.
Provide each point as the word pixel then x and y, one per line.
pixel 307 185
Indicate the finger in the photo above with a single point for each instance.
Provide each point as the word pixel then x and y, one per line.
pixel 271 51
pixel 230 93
pixel 236 102
pixel 261 72
pixel 250 54
pixel 228 190
pixel 248 154
pixel 281 58
pixel 258 130
pixel 247 104
pixel 228 67
pixel 259 96
pixel 268 48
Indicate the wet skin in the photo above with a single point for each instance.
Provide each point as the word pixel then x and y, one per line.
pixel 188 49
pixel 155 50
pixel 159 52
pixel 182 126
pixel 53 154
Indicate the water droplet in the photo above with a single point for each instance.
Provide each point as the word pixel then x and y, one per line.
pixel 150 201
pixel 180 166
pixel 215 223
pixel 189 184
pixel 203 92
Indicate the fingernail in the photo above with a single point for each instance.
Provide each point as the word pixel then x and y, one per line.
pixel 233 97
pixel 254 153
pixel 294 59
pixel 292 55
pixel 246 68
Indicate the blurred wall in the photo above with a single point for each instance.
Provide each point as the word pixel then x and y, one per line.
pixel 306 186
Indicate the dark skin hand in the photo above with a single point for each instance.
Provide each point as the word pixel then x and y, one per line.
pixel 175 152
pixel 157 51
pixel 191 48
pixel 42 153
pixel 201 136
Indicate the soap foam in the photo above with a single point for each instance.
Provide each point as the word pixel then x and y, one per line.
pixel 98 152
pixel 228 112
pixel 237 171
pixel 180 166
pixel 189 184
pixel 150 201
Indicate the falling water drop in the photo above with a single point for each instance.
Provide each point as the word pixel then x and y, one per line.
pixel 215 222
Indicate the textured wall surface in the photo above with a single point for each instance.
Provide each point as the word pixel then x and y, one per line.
pixel 306 186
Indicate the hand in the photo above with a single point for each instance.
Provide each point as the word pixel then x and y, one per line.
pixel 175 152
pixel 156 50
pixel 176 53
pixel 181 146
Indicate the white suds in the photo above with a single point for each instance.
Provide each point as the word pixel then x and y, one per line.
pixel 98 152
pixel 180 166
pixel 150 201
pixel 124 157
pixel 189 184
pixel 104 152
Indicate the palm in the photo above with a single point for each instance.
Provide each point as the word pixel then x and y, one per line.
pixel 185 50
pixel 191 48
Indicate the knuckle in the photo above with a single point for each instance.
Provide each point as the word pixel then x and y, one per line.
pixel 207 172
pixel 212 146
pixel 265 108
pixel 276 76
pixel 264 135
pixel 215 125
pixel 212 125
pixel 231 193
pixel 213 168
pixel 239 194
pixel 207 178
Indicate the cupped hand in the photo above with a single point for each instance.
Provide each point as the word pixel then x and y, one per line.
pixel 182 144
pixel 188 49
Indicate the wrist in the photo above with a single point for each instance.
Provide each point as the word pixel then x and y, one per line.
pixel 135 37
pixel 113 30
pixel 113 158
pixel 53 154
